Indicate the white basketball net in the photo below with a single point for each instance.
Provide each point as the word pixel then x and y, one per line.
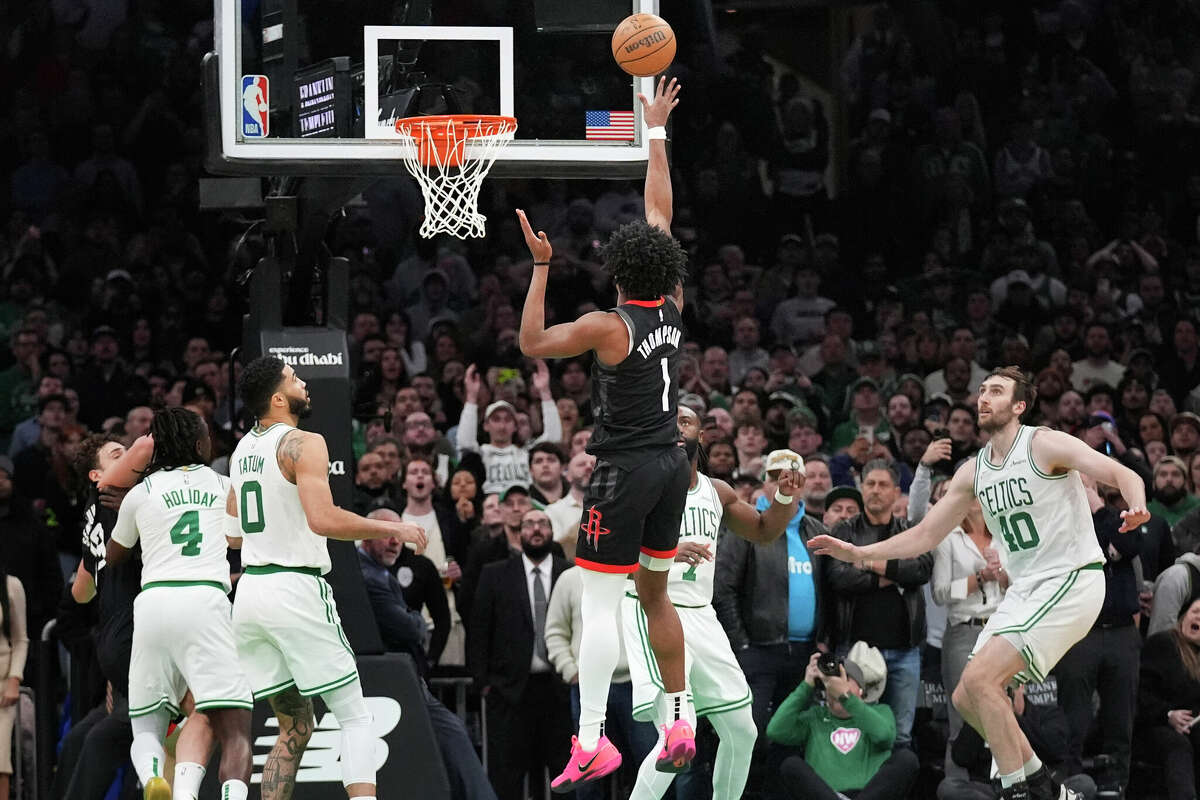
pixel 452 192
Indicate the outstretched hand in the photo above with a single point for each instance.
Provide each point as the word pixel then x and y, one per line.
pixel 413 535
pixel 825 545
pixel 1133 519
pixel 471 383
pixel 539 245
pixel 666 96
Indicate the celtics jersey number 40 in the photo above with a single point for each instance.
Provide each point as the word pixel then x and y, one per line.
pixel 1043 520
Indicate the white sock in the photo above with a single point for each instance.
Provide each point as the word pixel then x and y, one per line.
pixel 1032 765
pixel 1012 778
pixel 188 777
pixel 599 649
pixel 676 706
pixel 234 790
pixel 148 756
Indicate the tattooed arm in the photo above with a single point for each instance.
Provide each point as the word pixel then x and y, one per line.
pixel 304 460
pixel 295 715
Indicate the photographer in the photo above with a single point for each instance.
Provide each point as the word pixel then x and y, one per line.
pixel 847 743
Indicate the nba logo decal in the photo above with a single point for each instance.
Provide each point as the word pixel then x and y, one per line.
pixel 256 106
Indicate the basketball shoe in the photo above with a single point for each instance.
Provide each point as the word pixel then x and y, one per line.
pixel 679 747
pixel 585 766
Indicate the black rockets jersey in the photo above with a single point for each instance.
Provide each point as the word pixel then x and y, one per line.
pixel 635 403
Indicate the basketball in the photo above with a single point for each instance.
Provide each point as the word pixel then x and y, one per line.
pixel 643 45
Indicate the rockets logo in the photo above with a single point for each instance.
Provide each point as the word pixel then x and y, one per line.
pixel 592 530
pixel 255 106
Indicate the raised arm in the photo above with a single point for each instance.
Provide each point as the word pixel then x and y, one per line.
pixel 551 422
pixel 601 331
pixel 306 456
pixel 468 421
pixel 744 520
pixel 658 194
pixel 917 540
pixel 1056 452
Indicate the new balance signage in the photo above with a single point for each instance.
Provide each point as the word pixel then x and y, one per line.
pixel 406 758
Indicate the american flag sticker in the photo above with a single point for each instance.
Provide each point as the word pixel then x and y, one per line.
pixel 608 125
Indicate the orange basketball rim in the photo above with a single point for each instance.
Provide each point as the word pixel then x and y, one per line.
pixel 449 156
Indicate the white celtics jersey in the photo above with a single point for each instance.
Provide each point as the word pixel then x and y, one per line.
pixel 1043 521
pixel 688 585
pixel 505 467
pixel 179 515
pixel 273 526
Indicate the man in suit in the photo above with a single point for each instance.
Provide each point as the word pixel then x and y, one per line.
pixel 528 710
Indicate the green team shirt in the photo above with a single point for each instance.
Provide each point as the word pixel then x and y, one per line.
pixel 846 753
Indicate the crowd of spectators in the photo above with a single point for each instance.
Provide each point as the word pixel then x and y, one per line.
pixel 1013 183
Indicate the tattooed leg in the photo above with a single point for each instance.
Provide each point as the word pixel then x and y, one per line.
pixel 295 715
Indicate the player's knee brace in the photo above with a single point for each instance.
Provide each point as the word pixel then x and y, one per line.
pixel 358 744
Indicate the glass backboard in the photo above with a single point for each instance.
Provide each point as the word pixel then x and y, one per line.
pixel 307 87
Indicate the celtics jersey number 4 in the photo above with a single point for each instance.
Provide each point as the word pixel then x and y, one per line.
pixel 1043 520
pixel 179 517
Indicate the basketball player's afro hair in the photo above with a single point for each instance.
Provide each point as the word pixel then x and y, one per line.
pixel 645 261
pixel 176 432
pixel 260 380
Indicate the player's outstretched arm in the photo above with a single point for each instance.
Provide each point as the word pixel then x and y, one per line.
pixel 600 331
pixel 306 456
pixel 127 470
pixel 658 194
pixel 745 520
pixel 917 540
pixel 1055 451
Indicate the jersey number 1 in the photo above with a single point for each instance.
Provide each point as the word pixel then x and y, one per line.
pixel 666 386
pixel 187 533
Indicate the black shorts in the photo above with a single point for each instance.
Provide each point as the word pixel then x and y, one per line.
pixel 631 512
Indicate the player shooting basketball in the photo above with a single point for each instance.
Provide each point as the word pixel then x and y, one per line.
pixel 636 498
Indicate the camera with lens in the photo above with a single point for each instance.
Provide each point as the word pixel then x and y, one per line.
pixel 829 664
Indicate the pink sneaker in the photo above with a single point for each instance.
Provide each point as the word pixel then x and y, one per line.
pixel 679 748
pixel 588 765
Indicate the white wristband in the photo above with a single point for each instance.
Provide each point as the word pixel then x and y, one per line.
pixel 783 498
pixel 658 132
